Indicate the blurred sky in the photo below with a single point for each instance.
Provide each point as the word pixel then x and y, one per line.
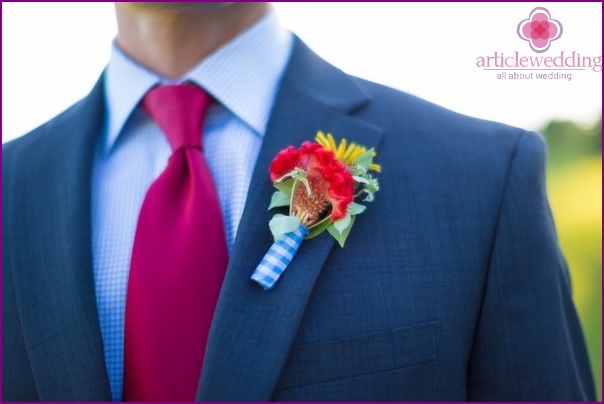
pixel 52 53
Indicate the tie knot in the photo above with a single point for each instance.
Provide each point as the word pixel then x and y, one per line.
pixel 179 110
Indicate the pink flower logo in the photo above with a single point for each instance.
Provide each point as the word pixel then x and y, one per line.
pixel 539 30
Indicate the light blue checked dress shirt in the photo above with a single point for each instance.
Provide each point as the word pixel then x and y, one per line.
pixel 243 76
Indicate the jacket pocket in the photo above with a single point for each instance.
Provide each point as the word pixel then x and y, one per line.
pixel 331 360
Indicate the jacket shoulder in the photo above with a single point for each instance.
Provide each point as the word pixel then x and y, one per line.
pixel 452 138
pixel 417 113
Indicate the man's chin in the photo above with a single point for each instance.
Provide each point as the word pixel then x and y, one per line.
pixel 186 6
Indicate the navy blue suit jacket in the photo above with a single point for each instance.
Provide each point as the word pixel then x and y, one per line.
pixel 451 286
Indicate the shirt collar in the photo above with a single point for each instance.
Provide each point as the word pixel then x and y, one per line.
pixel 243 75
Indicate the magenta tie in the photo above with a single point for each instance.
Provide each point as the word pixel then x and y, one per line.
pixel 178 261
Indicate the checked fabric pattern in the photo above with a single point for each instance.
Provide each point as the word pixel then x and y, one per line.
pixel 278 258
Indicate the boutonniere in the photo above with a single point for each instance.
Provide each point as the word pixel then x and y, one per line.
pixel 319 183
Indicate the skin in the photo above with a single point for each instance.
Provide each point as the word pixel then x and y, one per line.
pixel 170 38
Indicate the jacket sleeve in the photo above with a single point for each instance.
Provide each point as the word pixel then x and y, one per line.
pixel 528 344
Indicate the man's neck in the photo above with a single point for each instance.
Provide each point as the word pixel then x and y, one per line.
pixel 170 42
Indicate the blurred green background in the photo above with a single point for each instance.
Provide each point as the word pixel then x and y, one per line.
pixel 575 191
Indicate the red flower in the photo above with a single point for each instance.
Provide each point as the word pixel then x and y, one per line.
pixel 284 163
pixel 330 181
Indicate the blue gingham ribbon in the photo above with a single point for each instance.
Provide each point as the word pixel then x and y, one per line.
pixel 278 258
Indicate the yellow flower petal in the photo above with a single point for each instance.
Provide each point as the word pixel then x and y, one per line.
pixel 332 143
pixel 321 139
pixel 345 152
pixel 357 153
pixel 341 149
pixel 351 148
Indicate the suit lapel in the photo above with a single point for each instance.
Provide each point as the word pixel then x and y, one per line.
pixel 52 230
pixel 253 330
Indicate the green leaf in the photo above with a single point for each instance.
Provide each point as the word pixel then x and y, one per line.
pixel 343 223
pixel 374 185
pixel 304 181
pixel 369 185
pixel 365 159
pixel 356 208
pixel 357 170
pixel 371 188
pixel 286 176
pixel 360 179
pixel 285 186
pixel 282 224
pixel 279 199
pixel 341 237
pixel 318 228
